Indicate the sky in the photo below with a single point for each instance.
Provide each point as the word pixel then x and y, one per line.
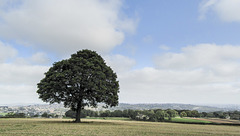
pixel 163 51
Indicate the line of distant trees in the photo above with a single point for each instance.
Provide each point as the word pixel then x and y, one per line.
pixel 15 115
pixel 145 115
pixel 23 115
pixel 156 114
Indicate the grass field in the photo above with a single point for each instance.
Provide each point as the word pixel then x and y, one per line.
pixel 109 118
pixel 97 127
pixel 188 120
pixel 221 121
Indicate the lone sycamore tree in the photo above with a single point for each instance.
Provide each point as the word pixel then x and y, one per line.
pixel 82 80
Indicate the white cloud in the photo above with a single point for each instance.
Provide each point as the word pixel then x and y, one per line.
pixel 12 74
pixel 18 83
pixel 65 26
pixel 206 72
pixel 128 25
pixel 18 94
pixel 205 6
pixel 18 77
pixel 226 10
pixel 150 85
pixel 201 56
pixel 119 63
pixel 40 58
pixel 6 52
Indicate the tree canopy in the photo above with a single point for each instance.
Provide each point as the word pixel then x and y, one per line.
pixel 82 80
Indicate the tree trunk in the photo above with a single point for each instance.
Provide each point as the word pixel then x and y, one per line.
pixel 78 113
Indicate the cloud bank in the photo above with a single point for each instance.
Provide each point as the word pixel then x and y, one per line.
pixel 198 74
pixel 120 63
pixel 18 77
pixel 65 26
pixel 58 27
pixel 6 52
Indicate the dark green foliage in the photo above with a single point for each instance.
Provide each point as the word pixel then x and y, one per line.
pixel 117 113
pixel 151 116
pixel 195 113
pixel 45 115
pixel 234 115
pixel 160 115
pixel 125 113
pixel 84 113
pixel 70 114
pixel 106 113
pixel 48 115
pixel 189 113
pixel 20 115
pixel 171 113
pixel 204 114
pixel 36 115
pixel 83 80
pixel 156 115
pixel 183 114
pixel 15 115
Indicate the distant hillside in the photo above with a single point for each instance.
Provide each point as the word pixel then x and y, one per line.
pixel 123 106
pixel 227 107
pixel 59 108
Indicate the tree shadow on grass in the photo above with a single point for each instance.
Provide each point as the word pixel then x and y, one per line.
pixel 82 122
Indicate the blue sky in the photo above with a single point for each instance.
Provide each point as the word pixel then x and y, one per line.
pixel 163 51
pixel 174 24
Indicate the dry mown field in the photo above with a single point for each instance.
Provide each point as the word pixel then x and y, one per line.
pixel 64 127
pixel 217 120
